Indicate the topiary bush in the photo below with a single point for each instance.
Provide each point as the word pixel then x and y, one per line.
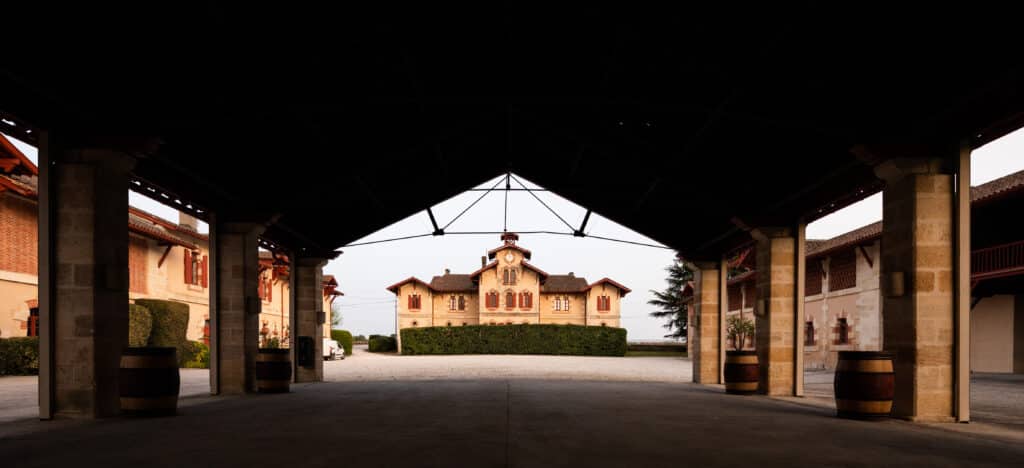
pixel 140 325
pixel 515 339
pixel 170 326
pixel 19 355
pixel 344 338
pixel 382 344
pixel 197 355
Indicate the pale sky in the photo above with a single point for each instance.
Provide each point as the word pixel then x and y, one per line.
pixel 365 271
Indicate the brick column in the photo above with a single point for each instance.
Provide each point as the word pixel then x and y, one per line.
pixel 706 334
pixel 236 262
pixel 776 310
pixel 90 287
pixel 309 314
pixel 917 285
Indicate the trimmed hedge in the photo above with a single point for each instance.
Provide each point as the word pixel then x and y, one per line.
pixel 515 339
pixel 170 326
pixel 19 355
pixel 197 355
pixel 140 325
pixel 382 344
pixel 344 338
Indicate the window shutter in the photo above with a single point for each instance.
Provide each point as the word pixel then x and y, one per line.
pixel 270 290
pixel 409 299
pixel 188 266
pixel 206 271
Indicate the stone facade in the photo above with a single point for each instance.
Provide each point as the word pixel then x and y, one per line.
pixel 508 290
pixel 166 260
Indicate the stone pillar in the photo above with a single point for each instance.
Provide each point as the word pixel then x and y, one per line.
pixel 89 214
pixel 1018 334
pixel 917 285
pixel 707 330
pixel 237 308
pixel 776 310
pixel 309 314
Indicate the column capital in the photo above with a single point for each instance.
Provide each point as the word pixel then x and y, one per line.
pixel 764 233
pixel 893 170
pixel 106 158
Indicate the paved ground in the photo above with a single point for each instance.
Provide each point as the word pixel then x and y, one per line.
pixel 499 423
pixel 19 395
pixel 387 410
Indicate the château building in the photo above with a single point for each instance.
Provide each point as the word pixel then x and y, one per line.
pixel 507 289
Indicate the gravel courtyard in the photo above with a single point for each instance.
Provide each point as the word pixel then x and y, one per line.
pixel 363 365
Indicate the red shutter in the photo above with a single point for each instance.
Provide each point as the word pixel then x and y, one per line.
pixel 188 266
pixel 409 305
pixel 206 271
pixel 270 290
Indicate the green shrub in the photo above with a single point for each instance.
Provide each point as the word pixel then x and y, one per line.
pixel 382 344
pixel 515 339
pixel 19 355
pixel 344 338
pixel 140 325
pixel 170 325
pixel 197 356
pixel 359 339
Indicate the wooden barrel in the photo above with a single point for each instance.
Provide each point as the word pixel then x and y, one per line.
pixel 273 371
pixel 741 372
pixel 148 381
pixel 864 384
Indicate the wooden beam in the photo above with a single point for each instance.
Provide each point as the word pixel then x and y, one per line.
pixel 164 256
pixel 867 258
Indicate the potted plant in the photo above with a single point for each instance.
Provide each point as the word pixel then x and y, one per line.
pixel 742 371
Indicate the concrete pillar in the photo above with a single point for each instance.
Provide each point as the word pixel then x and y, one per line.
pixel 236 326
pixel 776 310
pixel 309 314
pixel 706 334
pixel 917 282
pixel 87 243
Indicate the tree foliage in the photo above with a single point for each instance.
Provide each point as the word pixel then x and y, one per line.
pixel 670 302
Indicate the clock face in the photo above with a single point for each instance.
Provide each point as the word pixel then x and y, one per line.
pixel 509 257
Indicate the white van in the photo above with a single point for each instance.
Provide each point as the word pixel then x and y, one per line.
pixel 332 350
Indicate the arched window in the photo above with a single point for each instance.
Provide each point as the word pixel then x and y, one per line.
pixel 844 331
pixel 492 300
pixel 415 323
pixel 525 300
pixel 809 333
pixel 451 302
pixel 509 276
pixel 558 302
pixel 510 300
pixel 462 302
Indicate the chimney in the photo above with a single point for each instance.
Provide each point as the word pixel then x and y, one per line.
pixel 571 275
pixel 447 271
pixel 483 261
pixel 187 222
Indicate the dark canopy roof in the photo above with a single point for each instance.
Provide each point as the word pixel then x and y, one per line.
pixel 707 114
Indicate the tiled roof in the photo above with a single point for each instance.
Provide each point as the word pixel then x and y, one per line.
pixel 450 282
pixel 141 225
pixel 1000 186
pixel 412 279
pixel 564 284
pixel 816 247
pixel 622 288
pixel 491 253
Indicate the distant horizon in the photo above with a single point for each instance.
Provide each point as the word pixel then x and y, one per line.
pixel 364 271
